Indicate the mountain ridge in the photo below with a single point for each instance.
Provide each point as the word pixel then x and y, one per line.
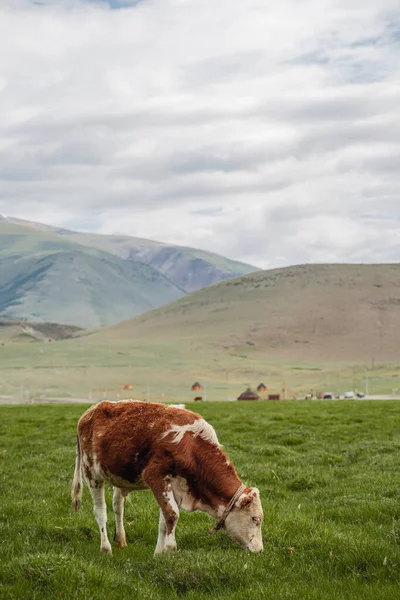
pixel 136 280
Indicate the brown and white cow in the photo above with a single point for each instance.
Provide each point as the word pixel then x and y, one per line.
pixel 174 452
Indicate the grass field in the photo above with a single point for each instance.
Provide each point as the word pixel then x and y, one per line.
pixel 96 368
pixel 330 485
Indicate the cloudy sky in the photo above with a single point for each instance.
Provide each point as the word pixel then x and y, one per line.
pixel 266 132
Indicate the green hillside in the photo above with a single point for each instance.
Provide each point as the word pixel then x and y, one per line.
pixel 188 268
pixel 79 288
pixel 333 312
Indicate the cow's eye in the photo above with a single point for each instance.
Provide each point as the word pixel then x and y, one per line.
pixel 256 520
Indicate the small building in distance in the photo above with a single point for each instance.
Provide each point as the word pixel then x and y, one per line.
pixel 274 397
pixel 261 387
pixel 248 395
pixel 196 386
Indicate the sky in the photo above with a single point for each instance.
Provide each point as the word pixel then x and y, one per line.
pixel 266 132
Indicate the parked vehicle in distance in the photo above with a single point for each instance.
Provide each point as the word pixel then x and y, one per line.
pixel 360 395
pixel 348 395
pixel 328 396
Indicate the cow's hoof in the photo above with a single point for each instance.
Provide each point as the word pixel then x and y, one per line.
pixel 163 549
pixel 121 543
pixel 106 549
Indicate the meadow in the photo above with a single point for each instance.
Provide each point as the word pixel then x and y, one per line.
pixel 330 486
pixel 97 366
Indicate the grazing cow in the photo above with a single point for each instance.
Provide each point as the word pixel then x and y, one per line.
pixel 174 452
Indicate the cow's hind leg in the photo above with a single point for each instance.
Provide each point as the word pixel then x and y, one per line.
pixel 169 511
pixel 119 499
pixel 100 512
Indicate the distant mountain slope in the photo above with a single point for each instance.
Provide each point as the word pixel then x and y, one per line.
pixel 118 276
pixel 188 268
pixel 79 288
pixel 23 241
pixel 319 312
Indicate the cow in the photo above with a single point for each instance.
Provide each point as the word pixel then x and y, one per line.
pixel 136 445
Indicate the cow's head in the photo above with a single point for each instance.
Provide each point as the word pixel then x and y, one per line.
pixel 243 523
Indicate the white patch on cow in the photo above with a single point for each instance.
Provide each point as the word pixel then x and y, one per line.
pixel 199 428
pixel 85 460
pixel 93 467
pixel 167 493
pixel 183 497
pixel 188 503
pixel 126 400
pixel 96 468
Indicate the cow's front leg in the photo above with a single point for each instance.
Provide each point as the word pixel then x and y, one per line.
pixel 119 499
pixel 169 511
pixel 166 533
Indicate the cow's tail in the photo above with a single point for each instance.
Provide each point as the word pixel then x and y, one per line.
pixel 76 492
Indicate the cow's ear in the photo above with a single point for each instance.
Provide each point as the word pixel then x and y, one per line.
pixel 254 492
pixel 247 499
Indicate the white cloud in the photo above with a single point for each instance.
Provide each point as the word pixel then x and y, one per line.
pixel 270 134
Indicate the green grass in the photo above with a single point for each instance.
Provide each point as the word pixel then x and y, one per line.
pixel 329 480
pixel 96 365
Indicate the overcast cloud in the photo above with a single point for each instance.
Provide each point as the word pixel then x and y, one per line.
pixel 266 132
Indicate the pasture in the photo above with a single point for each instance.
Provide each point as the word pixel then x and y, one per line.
pixel 96 367
pixel 329 478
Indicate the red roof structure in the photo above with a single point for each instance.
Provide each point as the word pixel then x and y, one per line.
pixel 196 386
pixel 248 395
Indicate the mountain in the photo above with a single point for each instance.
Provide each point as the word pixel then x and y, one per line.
pixel 79 288
pixel 318 312
pixel 89 280
pixel 187 268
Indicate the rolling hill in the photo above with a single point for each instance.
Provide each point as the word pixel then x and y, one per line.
pixel 89 280
pixel 312 327
pixel 328 312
